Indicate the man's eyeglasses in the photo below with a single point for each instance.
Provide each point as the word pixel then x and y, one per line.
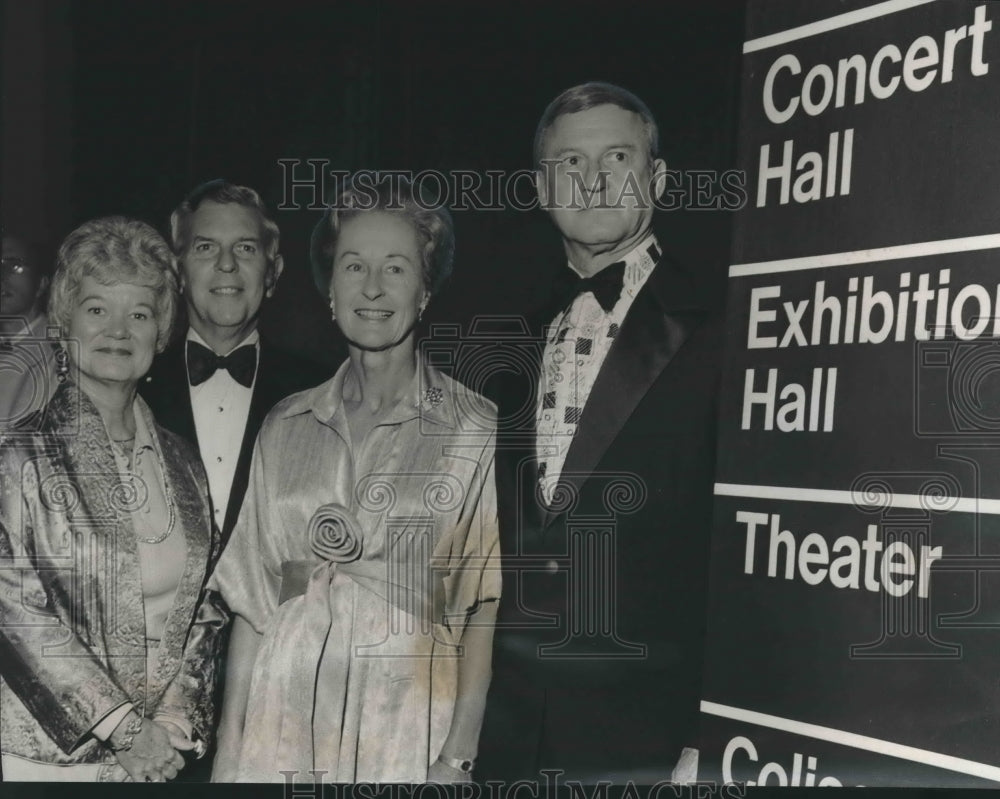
pixel 14 265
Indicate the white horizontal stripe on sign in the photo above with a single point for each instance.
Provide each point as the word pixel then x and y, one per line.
pixel 843 738
pixel 830 24
pixel 917 249
pixel 861 498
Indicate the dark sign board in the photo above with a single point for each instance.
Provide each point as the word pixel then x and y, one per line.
pixel 855 614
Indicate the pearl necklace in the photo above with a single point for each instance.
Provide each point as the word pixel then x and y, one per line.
pixel 124 448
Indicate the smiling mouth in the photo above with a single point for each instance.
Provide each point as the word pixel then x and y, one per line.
pixel 115 351
pixel 598 204
pixel 226 290
pixel 373 314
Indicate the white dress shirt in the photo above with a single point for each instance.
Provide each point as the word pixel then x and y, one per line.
pixel 221 407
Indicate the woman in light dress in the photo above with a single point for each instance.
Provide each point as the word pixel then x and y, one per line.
pixel 363 572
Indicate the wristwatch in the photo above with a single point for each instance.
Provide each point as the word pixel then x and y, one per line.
pixel 458 764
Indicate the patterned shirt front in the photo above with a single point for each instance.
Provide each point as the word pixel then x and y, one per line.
pixel 576 344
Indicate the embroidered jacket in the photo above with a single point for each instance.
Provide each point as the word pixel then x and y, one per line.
pixel 72 628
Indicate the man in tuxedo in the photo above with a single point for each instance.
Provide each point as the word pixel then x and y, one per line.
pixel 605 494
pixel 216 385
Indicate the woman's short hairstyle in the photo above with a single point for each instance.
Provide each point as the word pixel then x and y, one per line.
pixel 115 250
pixel 222 192
pixel 368 191
pixel 590 95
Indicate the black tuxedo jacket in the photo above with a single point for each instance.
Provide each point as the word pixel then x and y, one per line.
pixel 279 374
pixel 598 647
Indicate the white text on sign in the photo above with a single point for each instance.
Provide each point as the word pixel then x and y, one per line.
pixel 743 747
pixel 793 409
pixel 847 563
pixel 824 173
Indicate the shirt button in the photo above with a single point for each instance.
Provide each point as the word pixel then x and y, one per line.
pixel 221 409
pixel 218 460
pixel 551 567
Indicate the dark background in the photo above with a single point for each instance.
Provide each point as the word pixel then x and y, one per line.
pixel 123 106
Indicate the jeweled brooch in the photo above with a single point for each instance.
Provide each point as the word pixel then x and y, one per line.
pixel 433 396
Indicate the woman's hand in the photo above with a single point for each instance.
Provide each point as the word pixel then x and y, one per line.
pixel 152 756
pixel 470 701
pixel 443 773
pixel 178 738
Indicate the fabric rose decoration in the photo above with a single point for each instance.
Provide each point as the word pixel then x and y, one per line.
pixel 334 534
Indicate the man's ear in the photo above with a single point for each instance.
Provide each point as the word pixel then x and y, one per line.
pixel 273 273
pixel 541 186
pixel 177 265
pixel 659 178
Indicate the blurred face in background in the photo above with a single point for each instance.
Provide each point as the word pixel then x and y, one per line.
pixel 22 281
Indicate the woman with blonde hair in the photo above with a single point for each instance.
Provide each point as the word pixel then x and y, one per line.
pixel 106 662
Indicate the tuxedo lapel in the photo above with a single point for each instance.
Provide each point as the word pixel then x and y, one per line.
pixel 516 440
pixel 267 390
pixel 168 394
pixel 660 320
pixel 185 420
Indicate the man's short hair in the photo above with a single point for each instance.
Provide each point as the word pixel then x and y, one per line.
pixel 590 95
pixel 222 192
pixel 115 250
pixel 433 223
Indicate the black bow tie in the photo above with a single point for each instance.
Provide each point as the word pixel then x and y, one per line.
pixel 202 363
pixel 606 286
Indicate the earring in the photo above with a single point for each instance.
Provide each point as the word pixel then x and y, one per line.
pixel 62 364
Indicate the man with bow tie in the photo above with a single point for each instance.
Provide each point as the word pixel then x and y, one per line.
pixel 605 494
pixel 216 385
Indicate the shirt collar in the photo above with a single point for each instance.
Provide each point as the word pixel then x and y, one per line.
pixel 429 398
pixel 634 257
pixel 253 338
pixel 639 264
